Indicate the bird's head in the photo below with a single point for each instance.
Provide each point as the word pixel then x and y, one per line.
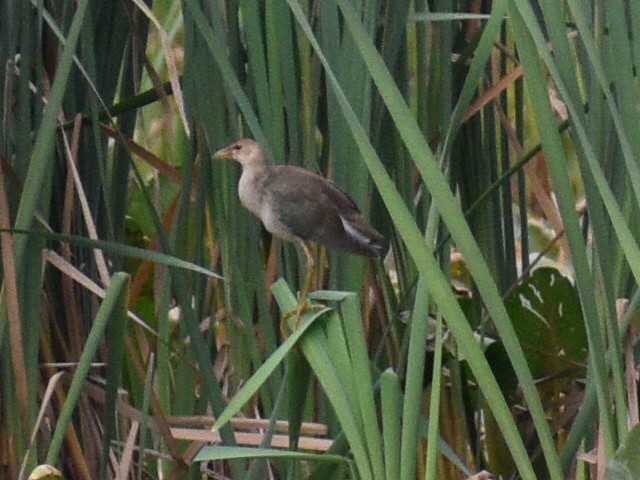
pixel 246 151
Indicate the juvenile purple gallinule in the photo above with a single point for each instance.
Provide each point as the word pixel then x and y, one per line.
pixel 299 206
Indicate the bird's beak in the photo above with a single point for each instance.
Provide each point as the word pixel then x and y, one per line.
pixel 224 154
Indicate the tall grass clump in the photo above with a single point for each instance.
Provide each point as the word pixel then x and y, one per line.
pixel 492 143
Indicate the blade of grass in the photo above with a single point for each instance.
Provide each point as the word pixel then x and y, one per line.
pixel 390 407
pixel 10 300
pixel 114 304
pixel 115 341
pixel 318 350
pixel 357 348
pixel 414 381
pixel 117 248
pixel 226 453
pixel 434 405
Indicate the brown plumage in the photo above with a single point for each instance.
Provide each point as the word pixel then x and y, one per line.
pixel 299 206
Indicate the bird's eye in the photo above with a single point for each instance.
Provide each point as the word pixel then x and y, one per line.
pixel 237 147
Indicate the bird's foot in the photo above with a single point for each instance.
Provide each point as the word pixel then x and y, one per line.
pixel 303 307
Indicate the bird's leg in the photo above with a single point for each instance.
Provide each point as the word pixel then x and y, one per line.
pixel 302 296
pixel 311 268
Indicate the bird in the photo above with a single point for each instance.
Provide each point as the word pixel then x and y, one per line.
pixel 299 206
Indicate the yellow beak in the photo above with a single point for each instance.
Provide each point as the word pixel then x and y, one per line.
pixel 224 154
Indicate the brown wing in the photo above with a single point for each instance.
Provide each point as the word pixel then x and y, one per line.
pixel 313 208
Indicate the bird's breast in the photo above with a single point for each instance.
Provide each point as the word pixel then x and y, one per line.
pixel 251 191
